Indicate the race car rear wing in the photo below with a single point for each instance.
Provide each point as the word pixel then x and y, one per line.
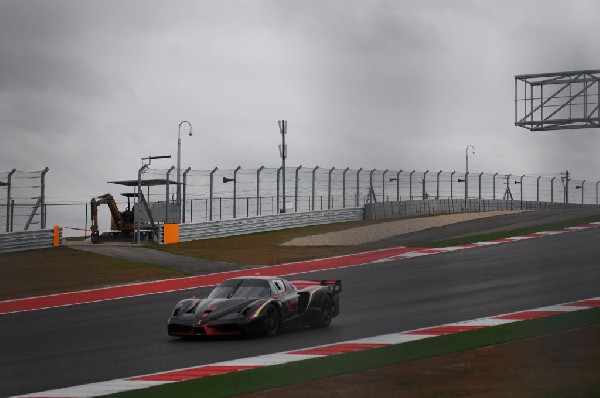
pixel 335 285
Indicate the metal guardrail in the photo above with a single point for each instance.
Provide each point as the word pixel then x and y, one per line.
pixel 217 229
pixel 414 208
pixel 27 240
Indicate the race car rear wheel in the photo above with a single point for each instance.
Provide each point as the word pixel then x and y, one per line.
pixel 326 312
pixel 271 321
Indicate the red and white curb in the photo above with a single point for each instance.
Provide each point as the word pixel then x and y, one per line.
pixel 418 252
pixel 194 282
pixel 237 365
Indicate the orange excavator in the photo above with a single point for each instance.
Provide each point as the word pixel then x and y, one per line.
pixel 121 222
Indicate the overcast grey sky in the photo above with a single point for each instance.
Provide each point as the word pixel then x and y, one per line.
pixel 88 88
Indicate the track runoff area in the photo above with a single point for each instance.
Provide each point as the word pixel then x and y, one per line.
pixel 174 376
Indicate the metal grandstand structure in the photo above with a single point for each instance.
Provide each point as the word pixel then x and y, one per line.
pixel 558 101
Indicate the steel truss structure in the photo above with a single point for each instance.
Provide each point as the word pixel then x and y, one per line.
pixel 557 101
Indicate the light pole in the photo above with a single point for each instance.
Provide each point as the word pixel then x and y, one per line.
pixel 283 153
pixel 179 166
pixel 467 169
pixel 137 212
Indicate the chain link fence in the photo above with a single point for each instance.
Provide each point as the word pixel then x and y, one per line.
pixel 223 194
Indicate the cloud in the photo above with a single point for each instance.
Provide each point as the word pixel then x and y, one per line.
pixel 89 88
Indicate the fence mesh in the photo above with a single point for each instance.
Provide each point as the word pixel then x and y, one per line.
pixel 221 194
pixel 22 205
pixel 251 192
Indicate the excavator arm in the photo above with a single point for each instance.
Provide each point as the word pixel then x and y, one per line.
pixel 114 211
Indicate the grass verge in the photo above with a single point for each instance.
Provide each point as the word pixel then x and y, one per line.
pixel 62 269
pixel 264 248
pixel 276 376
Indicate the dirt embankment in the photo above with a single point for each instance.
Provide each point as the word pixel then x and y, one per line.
pixel 373 233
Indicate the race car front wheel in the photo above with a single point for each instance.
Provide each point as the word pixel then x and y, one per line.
pixel 271 321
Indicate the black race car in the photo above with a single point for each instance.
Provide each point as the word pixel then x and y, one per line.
pixel 257 304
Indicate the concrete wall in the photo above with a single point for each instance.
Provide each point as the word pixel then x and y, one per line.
pixel 415 208
pixel 240 226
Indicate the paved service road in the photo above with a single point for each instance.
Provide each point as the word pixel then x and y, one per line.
pixel 191 265
pixel 60 347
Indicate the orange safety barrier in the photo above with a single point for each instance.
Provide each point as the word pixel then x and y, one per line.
pixel 171 234
pixel 56 242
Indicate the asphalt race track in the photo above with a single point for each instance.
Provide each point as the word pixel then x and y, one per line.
pixel 81 344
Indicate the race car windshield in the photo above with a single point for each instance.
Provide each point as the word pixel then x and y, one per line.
pixel 236 288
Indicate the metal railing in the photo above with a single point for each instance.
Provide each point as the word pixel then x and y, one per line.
pixel 215 229
pixel 27 240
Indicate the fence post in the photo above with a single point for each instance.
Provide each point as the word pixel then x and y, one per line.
pixel 184 198
pixel 329 189
pixel 43 202
pixel 567 187
pixel 398 185
pixel 258 209
pixel 552 190
pixel 451 184
pixel 371 189
pixel 313 187
pixel 494 186
pixel 521 183
pixel 344 187
pixel 8 186
pixel 167 195
pixel 538 188
pixel 410 184
pixel 437 189
pixel 12 214
pixel 296 189
pixel 480 174
pixel 210 194
pixel 235 191
pixel 582 188
pixel 597 191
pixel 278 174
pixel 383 187
pixel 358 185
pixel 424 178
